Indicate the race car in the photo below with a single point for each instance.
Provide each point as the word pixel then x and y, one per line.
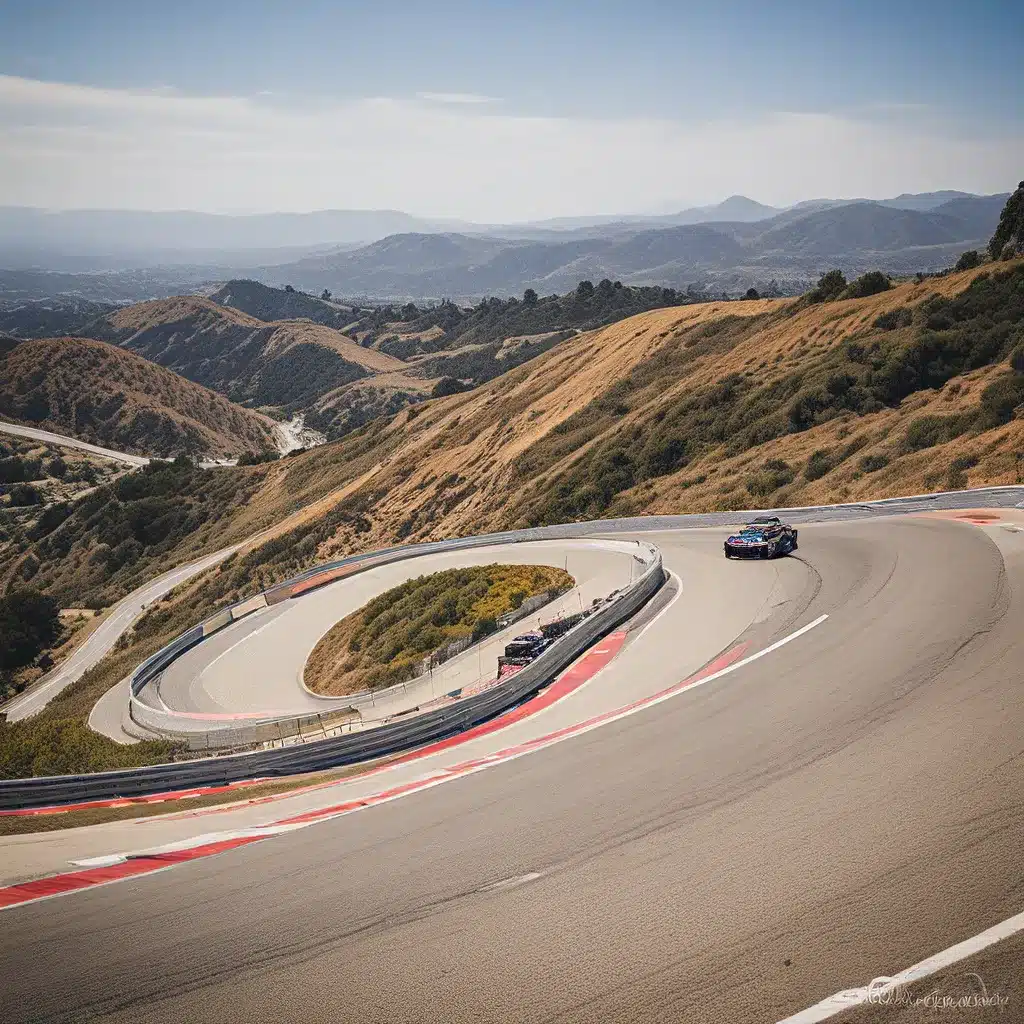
pixel 763 537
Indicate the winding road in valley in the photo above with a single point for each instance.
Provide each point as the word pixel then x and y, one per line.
pixel 838 796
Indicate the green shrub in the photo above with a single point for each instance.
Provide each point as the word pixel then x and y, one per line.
pixel 830 286
pixel 873 463
pixel 956 477
pixel 871 283
pixel 1000 401
pixel 449 386
pixel 819 463
pixel 893 319
pixel 774 474
pixel 927 431
pixel 24 494
pixel 29 623
pixel 968 260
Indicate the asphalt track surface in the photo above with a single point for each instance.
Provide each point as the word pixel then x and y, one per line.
pixel 837 810
pixel 256 665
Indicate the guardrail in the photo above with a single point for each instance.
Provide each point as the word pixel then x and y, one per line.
pixel 213 733
pixel 346 749
pixel 454 718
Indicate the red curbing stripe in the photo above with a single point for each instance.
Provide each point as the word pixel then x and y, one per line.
pixel 587 667
pixel 57 885
pixel 72 881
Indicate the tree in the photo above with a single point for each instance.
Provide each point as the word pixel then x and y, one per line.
pixel 24 494
pixel 1009 236
pixel 530 297
pixel 326 295
pixel 968 260
pixel 830 286
pixel 29 623
pixel 752 294
pixel 585 290
pixel 289 289
pixel 449 386
pixel 871 283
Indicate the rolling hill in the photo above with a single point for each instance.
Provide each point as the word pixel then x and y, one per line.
pixel 271 304
pixel 693 408
pixel 101 394
pixel 283 367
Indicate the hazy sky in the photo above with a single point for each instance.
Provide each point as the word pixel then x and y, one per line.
pixel 502 111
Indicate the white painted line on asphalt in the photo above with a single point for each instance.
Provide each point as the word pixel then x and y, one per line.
pixel 877 989
pixel 679 594
pixel 240 640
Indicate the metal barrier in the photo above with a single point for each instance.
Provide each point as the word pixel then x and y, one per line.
pixel 218 735
pixel 457 717
pixel 346 749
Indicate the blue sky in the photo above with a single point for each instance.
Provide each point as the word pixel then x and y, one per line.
pixel 778 101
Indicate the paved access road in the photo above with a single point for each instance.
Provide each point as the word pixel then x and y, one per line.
pixel 837 810
pixel 33 434
pixel 101 641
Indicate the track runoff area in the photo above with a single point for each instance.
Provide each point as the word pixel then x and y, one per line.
pixel 788 789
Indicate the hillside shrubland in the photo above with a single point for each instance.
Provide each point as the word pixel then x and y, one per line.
pixel 89 552
pixel 386 641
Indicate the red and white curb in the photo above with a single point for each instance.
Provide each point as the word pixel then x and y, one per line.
pixel 117 867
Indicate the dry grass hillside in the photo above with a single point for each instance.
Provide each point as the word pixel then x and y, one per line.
pixel 99 393
pixel 283 366
pixel 696 408
pixel 714 406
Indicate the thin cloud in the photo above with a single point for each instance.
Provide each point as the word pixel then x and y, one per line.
pixel 69 146
pixel 466 98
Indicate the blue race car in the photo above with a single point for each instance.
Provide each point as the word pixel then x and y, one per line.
pixel 764 537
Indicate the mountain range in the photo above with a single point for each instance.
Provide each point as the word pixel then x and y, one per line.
pixel 125 255
pixel 791 248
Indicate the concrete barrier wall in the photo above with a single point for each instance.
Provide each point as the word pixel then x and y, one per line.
pixel 244 608
pixel 219 621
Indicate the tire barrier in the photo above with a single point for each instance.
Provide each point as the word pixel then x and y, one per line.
pixel 347 749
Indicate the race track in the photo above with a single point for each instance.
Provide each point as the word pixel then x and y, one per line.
pixel 834 810
pixel 256 664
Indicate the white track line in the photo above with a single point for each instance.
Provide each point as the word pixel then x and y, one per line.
pixel 875 990
pixel 441 776
pixel 679 594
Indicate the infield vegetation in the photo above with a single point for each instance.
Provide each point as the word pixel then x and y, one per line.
pixel 386 641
